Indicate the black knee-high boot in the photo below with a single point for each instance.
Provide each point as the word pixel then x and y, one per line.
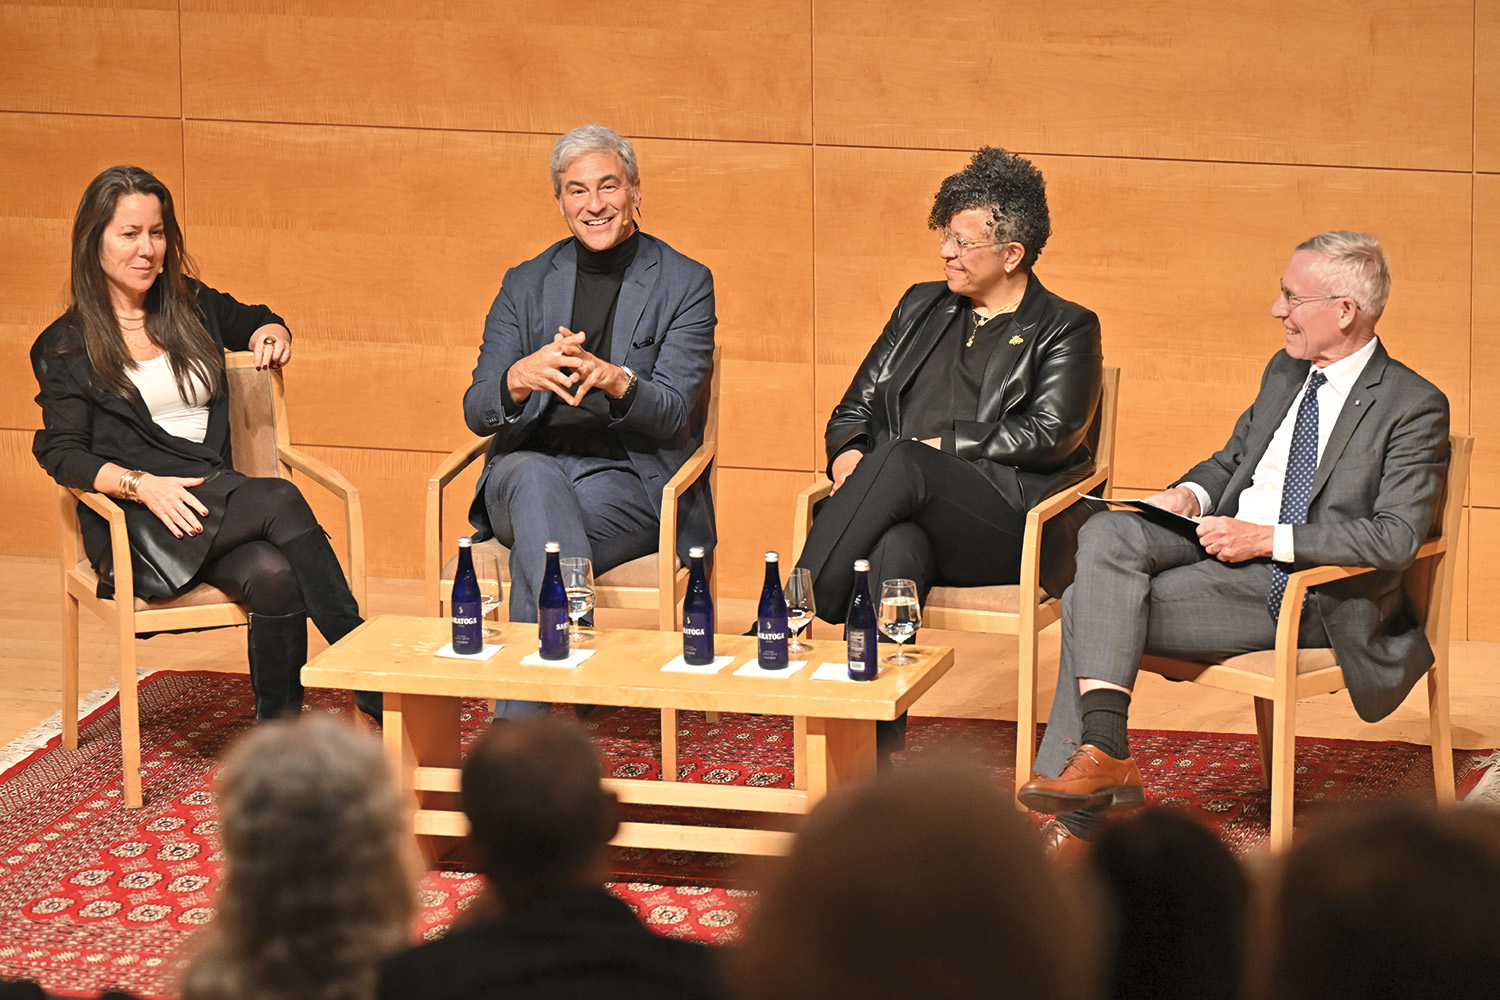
pixel 326 594
pixel 278 649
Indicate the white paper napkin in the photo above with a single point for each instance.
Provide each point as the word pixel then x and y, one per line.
pixel 754 669
pixel 835 672
pixel 575 657
pixel 488 651
pixel 680 666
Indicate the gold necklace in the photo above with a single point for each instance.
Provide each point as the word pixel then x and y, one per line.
pixel 980 321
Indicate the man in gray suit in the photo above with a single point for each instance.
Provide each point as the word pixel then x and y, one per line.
pixel 591 379
pixel 1339 460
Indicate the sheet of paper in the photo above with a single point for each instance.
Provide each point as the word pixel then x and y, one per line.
pixel 484 654
pixel 754 669
pixel 575 657
pixel 834 672
pixel 680 666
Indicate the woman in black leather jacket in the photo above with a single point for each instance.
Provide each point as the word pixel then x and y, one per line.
pixel 973 405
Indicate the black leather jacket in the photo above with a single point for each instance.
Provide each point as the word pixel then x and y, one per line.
pixel 1036 402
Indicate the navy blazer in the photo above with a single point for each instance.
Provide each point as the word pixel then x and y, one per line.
pixel 663 330
pixel 1377 486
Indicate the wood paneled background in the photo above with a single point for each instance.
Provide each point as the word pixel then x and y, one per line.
pixel 371 168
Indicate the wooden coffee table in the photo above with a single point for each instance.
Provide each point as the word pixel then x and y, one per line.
pixel 395 655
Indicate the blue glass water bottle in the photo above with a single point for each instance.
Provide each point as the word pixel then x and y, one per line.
pixel 468 629
pixel 771 628
pixel 859 624
pixel 552 609
pixel 697 613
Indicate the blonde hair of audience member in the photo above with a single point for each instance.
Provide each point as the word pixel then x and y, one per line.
pixel 929 884
pixel 318 874
pixel 1398 901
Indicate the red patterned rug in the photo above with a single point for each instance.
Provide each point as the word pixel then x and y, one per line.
pixel 93 895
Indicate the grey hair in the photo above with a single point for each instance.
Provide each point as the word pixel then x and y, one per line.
pixel 586 139
pixel 317 886
pixel 1352 264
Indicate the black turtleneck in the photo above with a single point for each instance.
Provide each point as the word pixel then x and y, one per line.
pixel 584 429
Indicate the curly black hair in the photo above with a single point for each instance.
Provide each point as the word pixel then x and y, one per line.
pixel 1011 187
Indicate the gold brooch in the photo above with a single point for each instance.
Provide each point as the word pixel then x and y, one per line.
pixel 1015 340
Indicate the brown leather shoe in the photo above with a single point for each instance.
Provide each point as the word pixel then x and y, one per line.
pixel 1092 779
pixel 1062 845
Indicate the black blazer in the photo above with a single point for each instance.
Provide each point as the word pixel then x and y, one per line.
pixel 85 426
pixel 1036 402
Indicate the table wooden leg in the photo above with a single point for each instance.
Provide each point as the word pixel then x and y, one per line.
pixel 839 751
pixel 423 731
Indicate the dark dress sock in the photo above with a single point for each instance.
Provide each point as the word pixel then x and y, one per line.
pixel 1085 824
pixel 1105 712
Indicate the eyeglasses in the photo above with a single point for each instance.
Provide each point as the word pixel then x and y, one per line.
pixel 1293 301
pixel 962 246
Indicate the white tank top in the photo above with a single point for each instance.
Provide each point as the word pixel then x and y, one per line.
pixel 185 418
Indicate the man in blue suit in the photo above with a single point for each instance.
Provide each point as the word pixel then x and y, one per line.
pixel 591 378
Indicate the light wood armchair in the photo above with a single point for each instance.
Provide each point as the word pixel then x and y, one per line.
pixel 1278 678
pixel 261 445
pixel 658 580
pixel 1021 609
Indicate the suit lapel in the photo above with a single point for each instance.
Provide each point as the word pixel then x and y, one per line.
pixel 1362 397
pixel 635 290
pixel 1002 360
pixel 557 295
pixel 1271 407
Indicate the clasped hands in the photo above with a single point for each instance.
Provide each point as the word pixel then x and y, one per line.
pixel 565 368
pixel 1227 539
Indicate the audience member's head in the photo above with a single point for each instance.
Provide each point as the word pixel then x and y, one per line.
pixel 1400 902
pixel 539 818
pixel 929 884
pixel 317 867
pixel 1179 902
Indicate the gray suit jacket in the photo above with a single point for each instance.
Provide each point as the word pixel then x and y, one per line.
pixel 663 330
pixel 1373 498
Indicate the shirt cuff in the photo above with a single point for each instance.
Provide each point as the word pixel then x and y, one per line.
pixel 512 408
pixel 1205 505
pixel 1281 543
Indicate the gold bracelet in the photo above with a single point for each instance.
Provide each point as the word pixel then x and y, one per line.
pixel 129 484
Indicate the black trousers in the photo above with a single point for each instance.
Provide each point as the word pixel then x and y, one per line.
pixel 245 561
pixel 918 513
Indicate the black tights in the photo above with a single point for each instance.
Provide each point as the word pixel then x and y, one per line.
pixel 245 560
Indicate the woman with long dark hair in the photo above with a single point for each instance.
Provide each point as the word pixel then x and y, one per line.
pixel 132 391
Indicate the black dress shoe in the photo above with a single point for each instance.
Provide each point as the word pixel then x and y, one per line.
pixel 372 703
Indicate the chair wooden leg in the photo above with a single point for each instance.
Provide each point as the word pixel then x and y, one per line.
pixel 1026 670
pixel 69 669
pixel 799 751
pixel 130 721
pixel 669 744
pixel 1283 748
pixel 712 718
pixel 1441 734
pixel 1264 713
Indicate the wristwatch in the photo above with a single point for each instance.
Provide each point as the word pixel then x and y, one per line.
pixel 629 386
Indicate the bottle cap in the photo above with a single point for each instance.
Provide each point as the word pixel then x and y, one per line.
pixel 772 557
pixel 861 565
pixel 465 542
pixel 696 552
pixel 554 547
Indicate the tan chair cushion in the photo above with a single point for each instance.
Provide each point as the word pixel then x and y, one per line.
pixel 998 599
pixel 636 573
pixel 200 596
pixel 1262 662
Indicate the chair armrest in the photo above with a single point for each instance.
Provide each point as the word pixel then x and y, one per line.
pixel 1287 625
pixel 334 482
pixel 691 471
pixel 432 564
pixel 119 544
pixel 820 490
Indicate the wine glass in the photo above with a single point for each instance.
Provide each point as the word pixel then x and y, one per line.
pixel 799 607
pixel 578 581
pixel 487 569
pixel 900 616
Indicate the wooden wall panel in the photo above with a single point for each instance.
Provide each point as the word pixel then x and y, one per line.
pixel 48 161
pixel 393 491
pixel 1181 262
pixel 672 68
pixel 384 249
pixel 29 527
pixel 1338 82
pixel 754 511
pixel 1486 86
pixel 1485 423
pixel 1484 574
pixel 113 58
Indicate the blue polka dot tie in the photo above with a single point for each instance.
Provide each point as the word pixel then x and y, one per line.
pixel 1296 488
